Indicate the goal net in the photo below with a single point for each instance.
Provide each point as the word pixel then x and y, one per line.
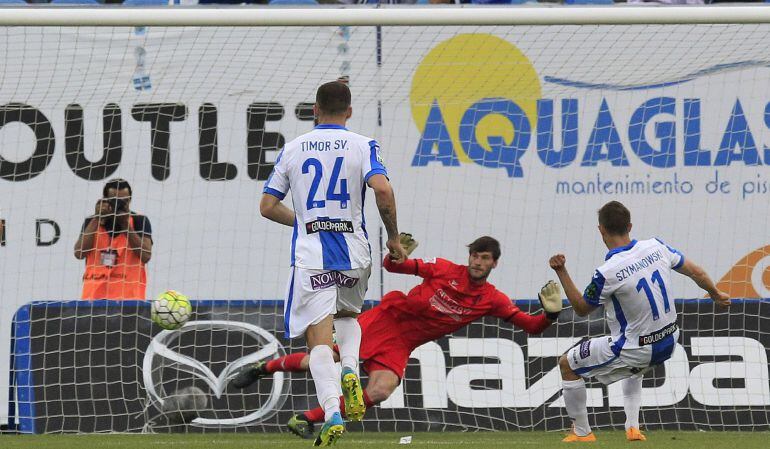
pixel 520 132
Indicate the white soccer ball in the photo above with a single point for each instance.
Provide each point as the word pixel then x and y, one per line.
pixel 170 310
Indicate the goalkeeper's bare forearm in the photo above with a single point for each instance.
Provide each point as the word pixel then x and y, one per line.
pixel 273 209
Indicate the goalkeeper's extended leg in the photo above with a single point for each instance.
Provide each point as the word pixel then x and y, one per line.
pixel 316 415
pixel 289 363
pixel 632 400
pixel 381 385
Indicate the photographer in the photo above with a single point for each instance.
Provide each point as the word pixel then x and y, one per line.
pixel 116 243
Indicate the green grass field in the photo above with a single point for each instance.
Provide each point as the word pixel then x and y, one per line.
pixel 447 440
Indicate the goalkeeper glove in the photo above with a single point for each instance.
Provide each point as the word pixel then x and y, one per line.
pixel 407 242
pixel 550 299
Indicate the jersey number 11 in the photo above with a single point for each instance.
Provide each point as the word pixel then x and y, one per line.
pixel 643 284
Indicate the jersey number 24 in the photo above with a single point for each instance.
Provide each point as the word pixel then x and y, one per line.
pixel 331 195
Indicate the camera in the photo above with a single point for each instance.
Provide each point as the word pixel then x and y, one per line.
pixel 117 207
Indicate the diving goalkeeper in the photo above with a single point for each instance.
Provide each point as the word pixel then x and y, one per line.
pixel 450 297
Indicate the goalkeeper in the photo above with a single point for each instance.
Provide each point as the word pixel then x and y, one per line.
pixel 450 297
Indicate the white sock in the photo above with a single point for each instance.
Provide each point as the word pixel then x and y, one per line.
pixel 632 400
pixel 574 392
pixel 348 341
pixel 326 379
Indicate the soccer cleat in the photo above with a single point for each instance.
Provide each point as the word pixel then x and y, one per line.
pixel 331 431
pixel 300 426
pixel 634 434
pixel 572 437
pixel 353 395
pixel 249 374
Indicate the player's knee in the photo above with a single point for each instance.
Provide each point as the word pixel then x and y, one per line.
pixel 378 393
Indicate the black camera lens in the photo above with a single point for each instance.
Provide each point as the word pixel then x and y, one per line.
pixel 117 205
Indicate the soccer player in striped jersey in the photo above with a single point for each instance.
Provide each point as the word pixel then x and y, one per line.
pixel 633 287
pixel 327 171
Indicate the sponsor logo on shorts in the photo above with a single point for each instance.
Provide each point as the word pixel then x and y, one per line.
pixel 332 278
pixel 657 336
pixel 585 349
pixel 329 226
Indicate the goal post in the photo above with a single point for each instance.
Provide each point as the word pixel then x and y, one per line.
pixel 384 15
pixel 518 123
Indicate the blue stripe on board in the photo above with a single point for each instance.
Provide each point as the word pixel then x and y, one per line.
pixel 681 80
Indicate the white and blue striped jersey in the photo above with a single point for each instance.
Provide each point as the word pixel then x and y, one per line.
pixel 326 171
pixel 633 286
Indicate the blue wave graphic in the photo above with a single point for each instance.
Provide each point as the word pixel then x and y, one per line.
pixel 681 80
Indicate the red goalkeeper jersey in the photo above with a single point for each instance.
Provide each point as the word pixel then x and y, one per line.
pixel 448 300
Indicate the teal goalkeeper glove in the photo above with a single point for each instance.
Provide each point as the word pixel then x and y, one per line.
pixel 550 299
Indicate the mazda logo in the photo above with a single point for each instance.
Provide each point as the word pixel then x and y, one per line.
pixel 159 352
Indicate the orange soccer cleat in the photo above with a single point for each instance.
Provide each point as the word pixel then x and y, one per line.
pixel 634 434
pixel 572 437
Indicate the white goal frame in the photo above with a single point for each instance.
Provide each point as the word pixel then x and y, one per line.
pixel 388 16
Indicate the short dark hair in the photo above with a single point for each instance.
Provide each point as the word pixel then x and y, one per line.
pixel 117 184
pixel 333 98
pixel 615 218
pixel 485 244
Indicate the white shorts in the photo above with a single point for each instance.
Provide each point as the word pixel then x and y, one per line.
pixel 312 295
pixel 595 358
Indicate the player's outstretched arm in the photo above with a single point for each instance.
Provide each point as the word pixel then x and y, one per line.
pixel 559 264
pixel 386 203
pixel 407 266
pixel 531 324
pixel 699 275
pixel 271 208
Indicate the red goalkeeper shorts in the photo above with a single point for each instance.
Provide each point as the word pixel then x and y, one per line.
pixel 382 346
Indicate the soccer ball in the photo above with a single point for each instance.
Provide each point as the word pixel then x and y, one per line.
pixel 170 310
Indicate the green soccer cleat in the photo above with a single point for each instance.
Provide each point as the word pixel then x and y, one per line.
pixel 353 394
pixel 300 426
pixel 249 374
pixel 332 431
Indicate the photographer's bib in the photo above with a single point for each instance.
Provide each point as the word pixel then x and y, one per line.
pixel 113 270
